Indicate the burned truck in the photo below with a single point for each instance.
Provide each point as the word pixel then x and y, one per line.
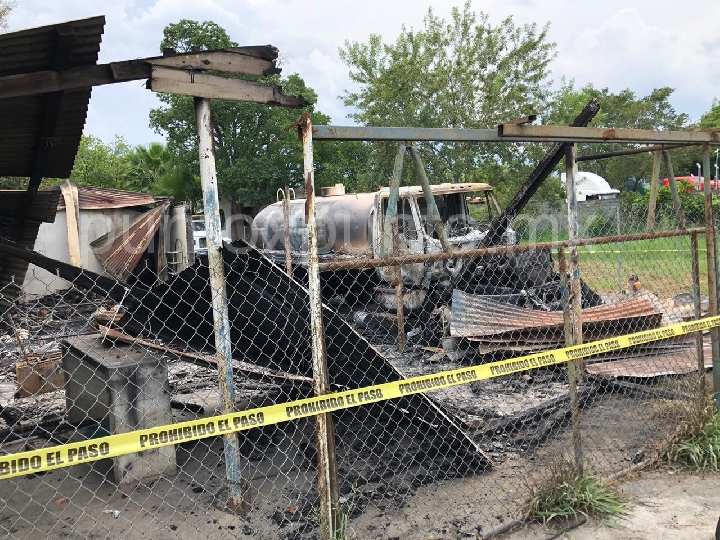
pixel 356 225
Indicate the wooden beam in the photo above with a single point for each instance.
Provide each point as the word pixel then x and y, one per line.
pixel 187 83
pixel 228 61
pixel 72 217
pixel 247 60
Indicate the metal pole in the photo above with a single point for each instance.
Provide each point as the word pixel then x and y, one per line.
pixel 286 219
pixel 617 248
pixel 572 314
pixel 387 240
pixel 430 200
pixel 391 241
pixel 712 275
pixel 654 181
pixel 399 308
pixel 221 319
pixel 696 300
pixel 674 191
pixel 327 464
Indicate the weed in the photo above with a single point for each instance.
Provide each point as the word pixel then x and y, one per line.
pixel 344 509
pixel 696 441
pixel 569 492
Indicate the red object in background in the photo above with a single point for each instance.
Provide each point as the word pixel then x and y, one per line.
pixel 697 181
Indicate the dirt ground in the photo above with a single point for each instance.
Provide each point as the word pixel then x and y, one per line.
pixel 663 504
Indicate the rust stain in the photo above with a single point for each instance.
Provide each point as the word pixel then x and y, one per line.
pixel 609 134
pixel 308 189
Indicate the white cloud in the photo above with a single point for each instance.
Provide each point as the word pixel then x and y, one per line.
pixel 636 44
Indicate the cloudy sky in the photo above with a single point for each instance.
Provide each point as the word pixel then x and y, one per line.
pixel 636 44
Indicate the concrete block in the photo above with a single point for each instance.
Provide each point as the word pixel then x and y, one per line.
pixel 128 386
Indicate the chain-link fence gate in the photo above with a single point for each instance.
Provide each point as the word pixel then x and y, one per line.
pixel 102 358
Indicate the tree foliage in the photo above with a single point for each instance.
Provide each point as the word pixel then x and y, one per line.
pixel 461 73
pixel 100 164
pixel 711 119
pixel 256 152
pixel 6 7
pixel 617 110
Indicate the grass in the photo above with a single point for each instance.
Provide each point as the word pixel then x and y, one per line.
pixel 696 442
pixel 664 265
pixel 568 492
pixel 344 510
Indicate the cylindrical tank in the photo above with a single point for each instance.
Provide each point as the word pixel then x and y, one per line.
pixel 344 225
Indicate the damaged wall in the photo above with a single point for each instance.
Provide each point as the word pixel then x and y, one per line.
pixel 52 241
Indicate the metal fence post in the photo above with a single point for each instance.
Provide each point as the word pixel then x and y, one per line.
pixel 654 181
pixel 391 241
pixel 286 220
pixel 674 190
pixel 696 302
pixel 712 274
pixel 327 463
pixel 572 314
pixel 221 319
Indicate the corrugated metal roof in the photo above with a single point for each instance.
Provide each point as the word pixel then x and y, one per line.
pixel 476 316
pixel 126 245
pixel 43 209
pixel 13 269
pixel 30 51
pixel 96 198
pixel 655 365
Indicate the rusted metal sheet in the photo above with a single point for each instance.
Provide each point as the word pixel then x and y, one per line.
pixel 486 316
pixel 120 250
pixel 34 50
pixel 95 198
pixel 654 365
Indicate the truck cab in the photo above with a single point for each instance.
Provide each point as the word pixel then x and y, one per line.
pixel 353 226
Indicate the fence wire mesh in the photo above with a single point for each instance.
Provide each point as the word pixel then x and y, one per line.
pixel 88 361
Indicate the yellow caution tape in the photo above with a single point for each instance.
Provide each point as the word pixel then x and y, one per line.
pixel 66 455
pixel 631 251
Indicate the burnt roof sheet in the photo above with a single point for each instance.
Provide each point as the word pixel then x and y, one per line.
pixel 33 50
pixel 120 250
pixel 474 316
pixel 97 198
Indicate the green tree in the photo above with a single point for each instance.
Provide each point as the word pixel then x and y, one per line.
pixel 100 164
pixel 617 110
pixel 711 119
pixel 6 7
pixel 256 153
pixel 462 73
pixel 149 164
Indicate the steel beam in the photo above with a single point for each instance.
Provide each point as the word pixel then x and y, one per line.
pixel 608 135
pixel 515 133
pixel 631 151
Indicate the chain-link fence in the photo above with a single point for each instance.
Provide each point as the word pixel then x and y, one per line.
pixel 100 358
